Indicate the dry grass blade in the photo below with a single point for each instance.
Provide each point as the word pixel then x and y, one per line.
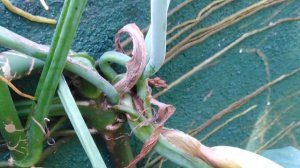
pixel 201 15
pixel 206 62
pixel 238 103
pixel 202 34
pixel 178 7
pixel 136 65
pixel 265 126
pixel 227 122
pixel 242 101
pixel 278 136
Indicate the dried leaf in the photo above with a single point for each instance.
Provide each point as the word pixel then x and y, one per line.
pixel 148 145
pixel 158 82
pixel 139 105
pixel 218 156
pixel 136 65
pixel 183 141
pixel 164 112
pixel 232 157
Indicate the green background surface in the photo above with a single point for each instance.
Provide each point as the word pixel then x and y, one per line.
pixel 230 78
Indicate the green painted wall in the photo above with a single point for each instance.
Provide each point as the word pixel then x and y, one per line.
pixel 230 78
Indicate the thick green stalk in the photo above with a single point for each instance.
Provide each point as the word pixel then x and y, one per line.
pixel 157 44
pixel 61 44
pixel 11 128
pixel 79 125
pixel 119 147
pixel 156 47
pixel 51 74
pixel 16 42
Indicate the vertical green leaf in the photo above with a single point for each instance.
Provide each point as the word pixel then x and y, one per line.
pixel 79 125
pixel 54 65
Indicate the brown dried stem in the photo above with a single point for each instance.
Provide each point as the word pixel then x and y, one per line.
pixel 206 62
pixel 278 136
pixel 233 107
pixel 201 15
pixel 227 122
pixel 202 34
pixel 242 101
pixel 15 89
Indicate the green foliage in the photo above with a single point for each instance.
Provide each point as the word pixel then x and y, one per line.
pixel 221 85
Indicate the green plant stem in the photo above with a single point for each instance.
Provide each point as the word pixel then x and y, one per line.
pixel 157 37
pixel 54 65
pixel 16 42
pixel 20 65
pixel 141 88
pixel 163 146
pixel 11 128
pixel 111 57
pixel 117 143
pixel 96 117
pixel 79 125
pixel 95 79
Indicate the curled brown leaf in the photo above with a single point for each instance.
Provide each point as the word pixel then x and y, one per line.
pixel 136 65
pixel 164 112
pixel 158 82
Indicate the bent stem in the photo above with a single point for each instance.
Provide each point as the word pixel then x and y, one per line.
pixel 79 125
pixel 16 42
pixel 156 37
pixel 111 57
pixel 117 143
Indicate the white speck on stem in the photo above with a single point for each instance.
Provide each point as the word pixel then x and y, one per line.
pixel 31 67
